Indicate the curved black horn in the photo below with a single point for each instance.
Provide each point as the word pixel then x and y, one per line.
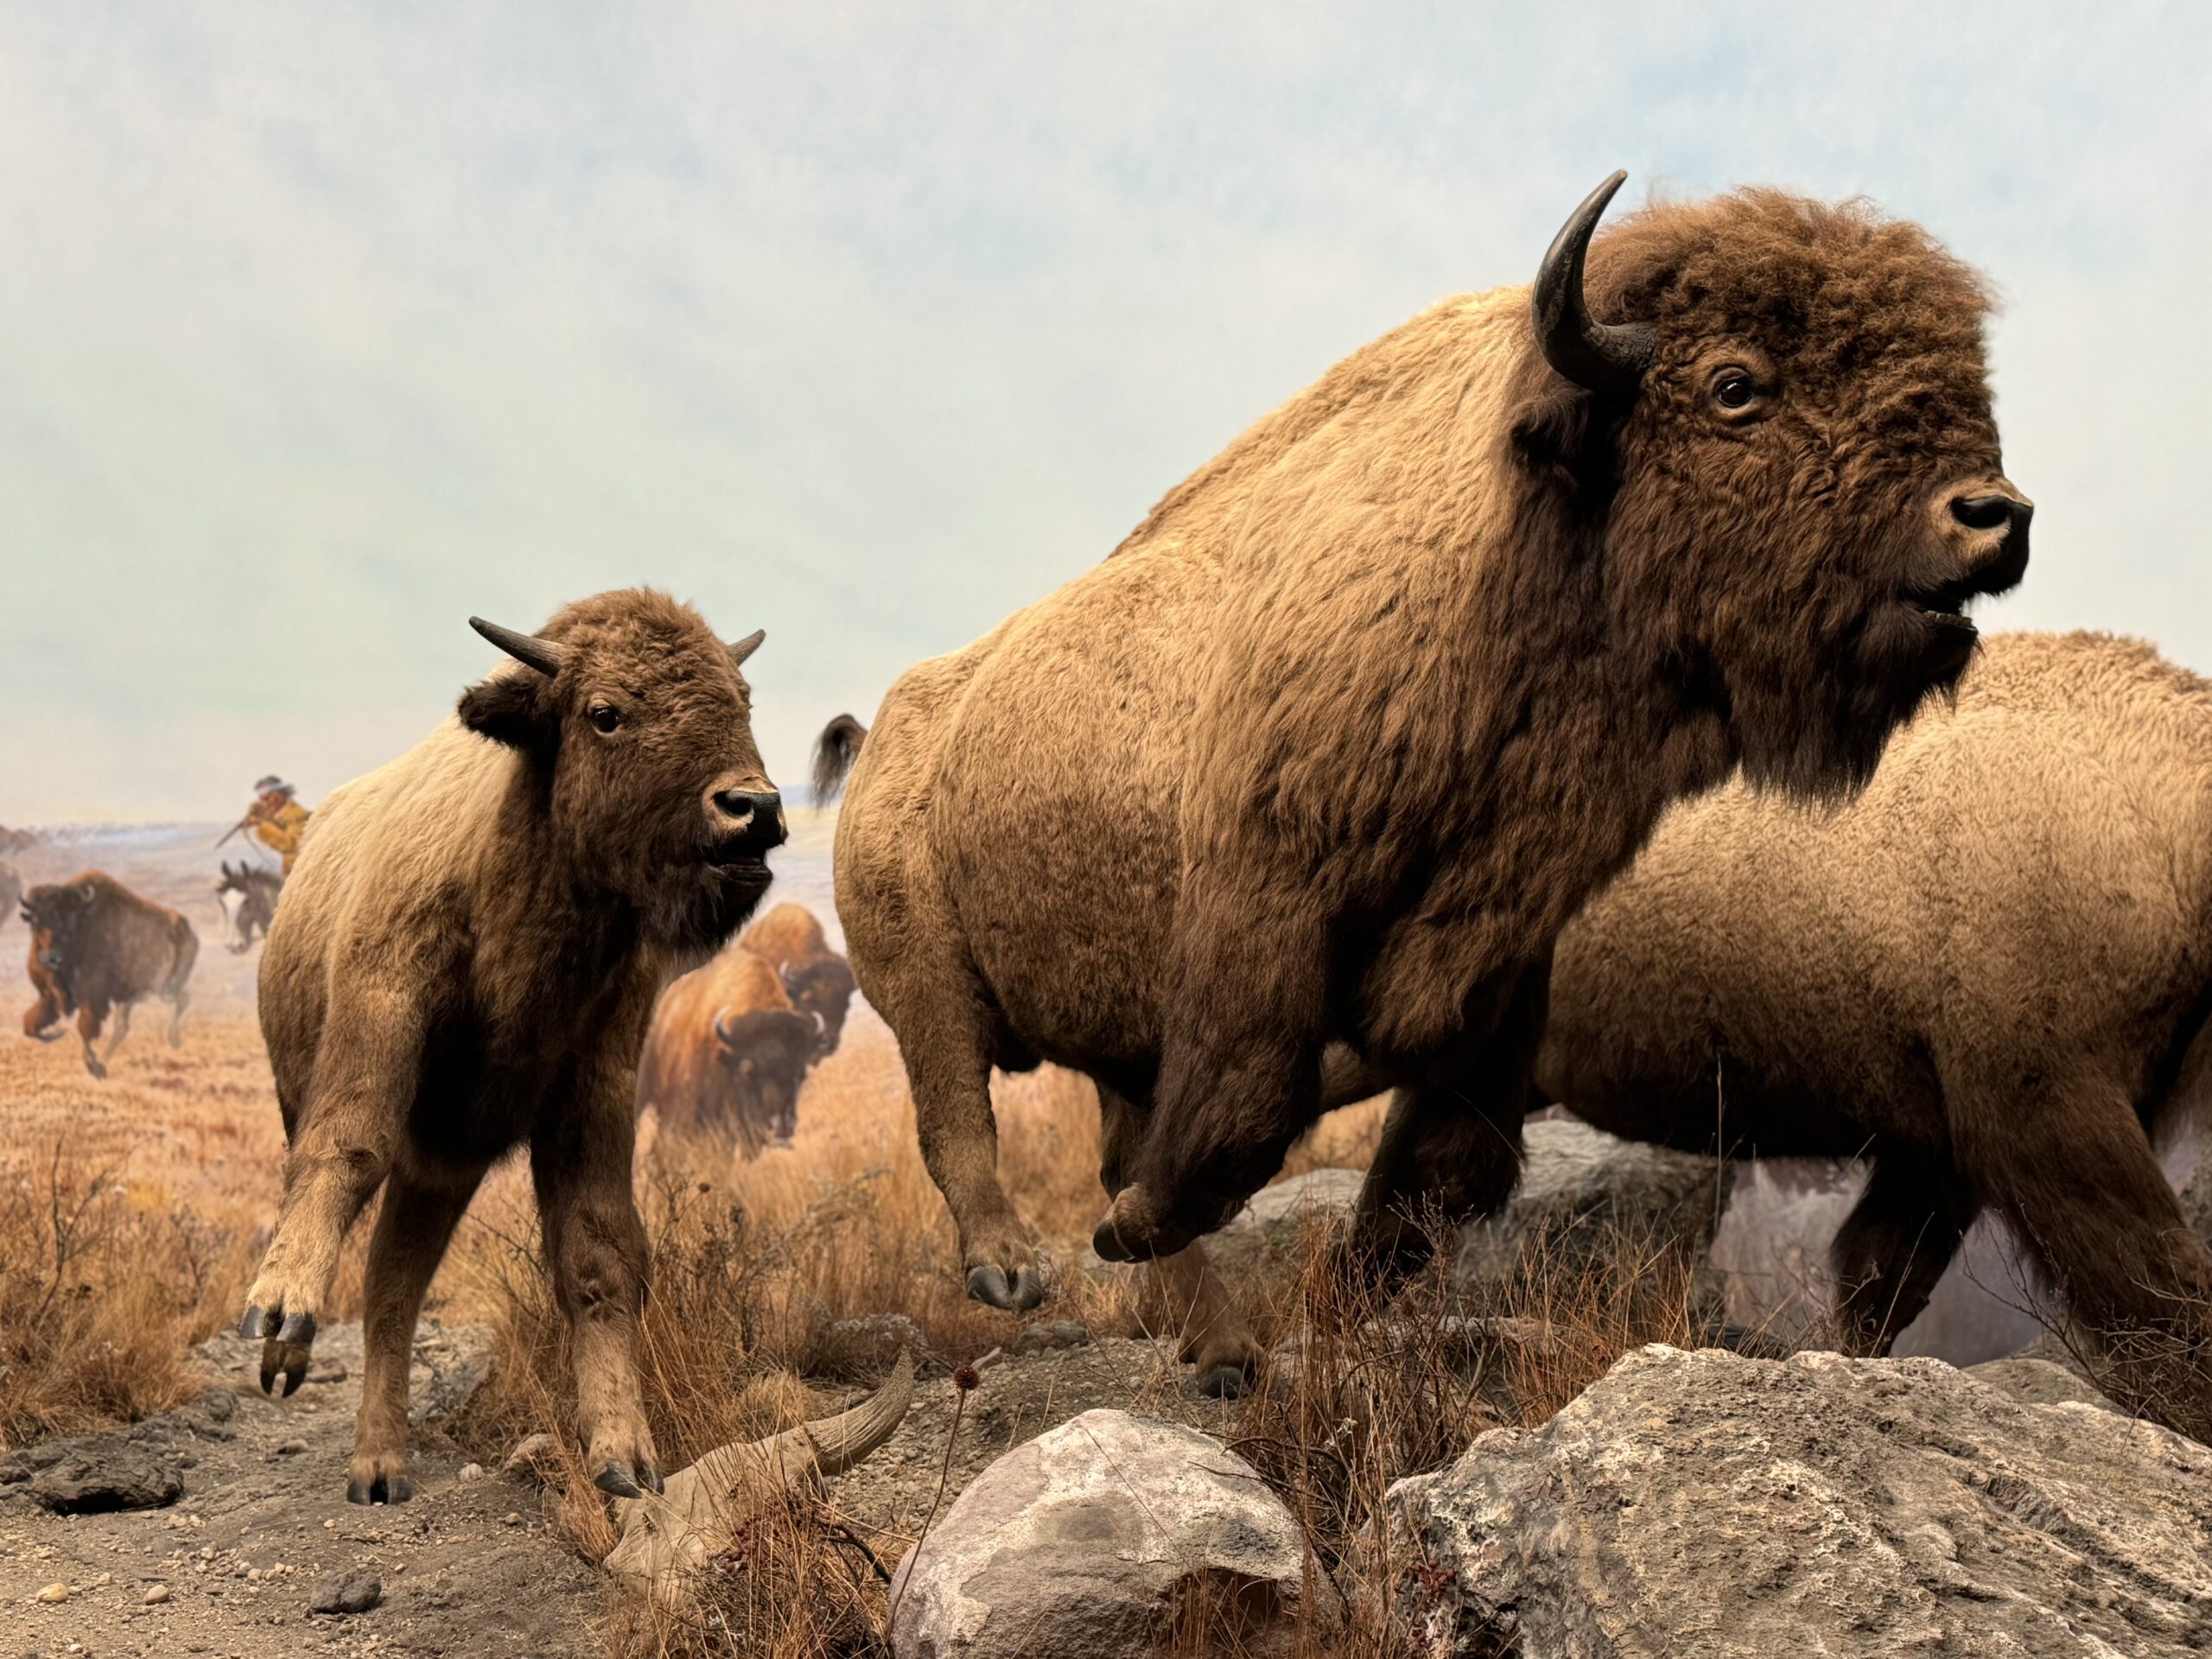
pixel 1602 356
pixel 526 648
pixel 741 648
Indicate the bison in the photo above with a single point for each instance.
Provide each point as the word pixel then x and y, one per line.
pixel 257 890
pixel 1287 800
pixel 465 957
pixel 1991 974
pixel 819 980
pixel 727 1048
pixel 730 1043
pixel 97 945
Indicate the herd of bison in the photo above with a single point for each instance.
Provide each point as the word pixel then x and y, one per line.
pixel 1567 698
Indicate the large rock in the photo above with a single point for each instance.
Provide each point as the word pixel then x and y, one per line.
pixel 1268 1234
pixel 1581 1188
pixel 105 1475
pixel 1080 1543
pixel 1707 1504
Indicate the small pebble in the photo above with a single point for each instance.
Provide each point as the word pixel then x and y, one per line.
pixel 156 1592
pixel 55 1592
pixel 329 1525
pixel 471 1471
pixel 356 1593
pixel 291 1449
pixel 511 1518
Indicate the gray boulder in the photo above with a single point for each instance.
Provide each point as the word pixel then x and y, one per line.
pixel 1707 1504
pixel 1080 1543
pixel 1578 1186
pixel 1268 1235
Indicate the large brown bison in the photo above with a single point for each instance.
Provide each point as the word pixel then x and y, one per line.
pixel 819 980
pixel 1991 974
pixel 464 959
pixel 96 946
pixel 727 1049
pixel 1307 777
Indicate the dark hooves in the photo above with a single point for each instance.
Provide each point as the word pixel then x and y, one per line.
pixel 618 1479
pixel 298 1330
pixel 988 1284
pixel 1224 1382
pixel 255 1324
pixel 385 1489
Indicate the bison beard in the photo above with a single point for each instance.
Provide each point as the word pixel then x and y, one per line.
pixel 1287 801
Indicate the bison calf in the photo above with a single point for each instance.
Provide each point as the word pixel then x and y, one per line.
pixel 97 945
pixel 464 959
pixel 1990 975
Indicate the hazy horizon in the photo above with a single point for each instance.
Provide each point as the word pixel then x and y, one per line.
pixel 325 329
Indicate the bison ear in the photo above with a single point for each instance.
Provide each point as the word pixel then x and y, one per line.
pixel 1555 427
pixel 509 708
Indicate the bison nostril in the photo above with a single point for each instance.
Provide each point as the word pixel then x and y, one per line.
pixel 1990 512
pixel 757 814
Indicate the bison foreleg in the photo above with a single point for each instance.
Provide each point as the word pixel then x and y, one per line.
pixel 1181 1290
pixel 2069 1165
pixel 122 1030
pixel 89 1018
pixel 366 1075
pixel 595 1248
pixel 1893 1248
pixel 413 1228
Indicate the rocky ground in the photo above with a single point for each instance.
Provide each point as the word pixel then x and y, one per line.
pixel 258 1535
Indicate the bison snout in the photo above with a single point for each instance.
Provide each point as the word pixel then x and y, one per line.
pixel 754 818
pixel 1989 524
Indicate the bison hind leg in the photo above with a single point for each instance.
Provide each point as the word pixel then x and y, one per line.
pixel 1893 1248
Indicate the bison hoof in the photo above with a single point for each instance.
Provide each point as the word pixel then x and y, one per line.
pixel 617 1479
pixel 255 1324
pixel 298 1330
pixel 1132 1232
pixel 1224 1383
pixel 385 1489
pixel 988 1284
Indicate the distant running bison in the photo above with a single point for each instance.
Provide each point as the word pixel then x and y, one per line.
pixel 1991 974
pixel 731 1042
pixel 1287 800
pixel 96 946
pixel 464 959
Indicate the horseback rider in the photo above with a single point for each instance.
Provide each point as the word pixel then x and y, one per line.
pixel 276 819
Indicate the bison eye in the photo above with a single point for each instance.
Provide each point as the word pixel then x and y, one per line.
pixel 1735 391
pixel 605 718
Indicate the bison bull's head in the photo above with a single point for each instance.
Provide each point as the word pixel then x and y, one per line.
pixel 1780 444
pixel 763 1054
pixel 822 990
pixel 637 726
pixel 56 914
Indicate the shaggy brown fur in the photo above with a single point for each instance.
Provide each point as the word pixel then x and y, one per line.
pixel 97 945
pixel 1350 726
pixel 727 1048
pixel 819 980
pixel 464 959
pixel 1984 975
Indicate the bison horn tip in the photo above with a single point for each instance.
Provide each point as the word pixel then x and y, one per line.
pixel 525 648
pixel 1598 356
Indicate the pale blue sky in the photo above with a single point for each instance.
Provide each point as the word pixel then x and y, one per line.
pixel 324 326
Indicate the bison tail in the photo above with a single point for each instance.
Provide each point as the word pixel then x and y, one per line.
pixel 835 751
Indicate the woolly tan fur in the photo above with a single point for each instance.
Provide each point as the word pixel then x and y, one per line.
pixel 1985 973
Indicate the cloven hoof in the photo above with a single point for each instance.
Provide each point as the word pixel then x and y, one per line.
pixel 987 1284
pixel 617 1479
pixel 385 1489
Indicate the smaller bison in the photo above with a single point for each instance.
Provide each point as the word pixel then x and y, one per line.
pixel 96 946
pixel 819 980
pixel 1990 975
pixel 465 960
pixel 731 1042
